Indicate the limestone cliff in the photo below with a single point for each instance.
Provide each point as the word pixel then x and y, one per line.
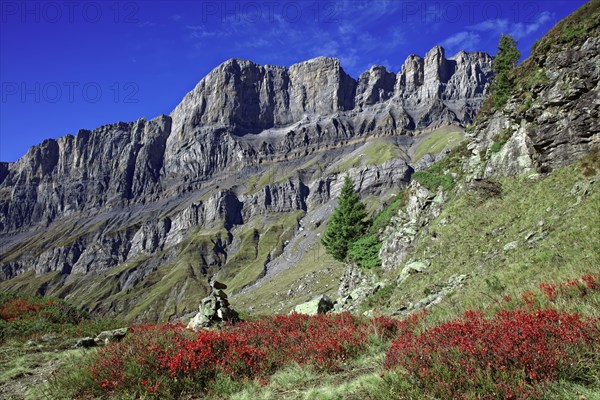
pixel 133 202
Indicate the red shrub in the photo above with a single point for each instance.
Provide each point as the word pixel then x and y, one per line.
pixel 156 358
pixel 391 328
pixel 506 356
pixel 323 341
pixel 572 288
pixel 19 308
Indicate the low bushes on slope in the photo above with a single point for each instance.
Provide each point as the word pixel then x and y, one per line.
pixel 23 317
pixel 514 354
pixel 169 361
pixel 516 349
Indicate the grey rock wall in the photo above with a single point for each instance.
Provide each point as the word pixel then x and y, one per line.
pixel 132 192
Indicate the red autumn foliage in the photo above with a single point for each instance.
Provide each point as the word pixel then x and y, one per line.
pixel 22 308
pixel 509 356
pixel 170 356
pixel 390 328
pixel 571 289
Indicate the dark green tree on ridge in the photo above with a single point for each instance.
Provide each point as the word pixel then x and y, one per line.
pixel 347 223
pixel 505 61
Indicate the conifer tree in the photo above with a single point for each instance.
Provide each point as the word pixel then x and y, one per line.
pixel 506 59
pixel 347 223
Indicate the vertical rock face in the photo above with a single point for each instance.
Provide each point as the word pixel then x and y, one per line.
pixel 247 98
pixel 470 70
pixel 138 195
pixel 3 171
pixel 405 227
pixel 436 72
pixel 374 86
pixel 320 86
pixel 240 97
pixel 411 76
pixel 238 94
pixel 107 166
pixel 440 89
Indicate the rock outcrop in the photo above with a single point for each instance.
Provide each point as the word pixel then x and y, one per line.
pixel 354 278
pixel 107 337
pixel 404 228
pixel 552 118
pixel 103 338
pixel 319 305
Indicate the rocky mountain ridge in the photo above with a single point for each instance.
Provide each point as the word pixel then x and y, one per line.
pixel 550 121
pixel 249 142
pixel 240 114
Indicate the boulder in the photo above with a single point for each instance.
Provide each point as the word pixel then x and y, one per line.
pixel 412 268
pixel 218 285
pixel 85 342
pixel 200 321
pixel 319 305
pixel 511 246
pixel 353 300
pixel 106 337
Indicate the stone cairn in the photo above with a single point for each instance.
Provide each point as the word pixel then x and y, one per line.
pixel 214 309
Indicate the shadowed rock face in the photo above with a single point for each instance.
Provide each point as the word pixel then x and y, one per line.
pixel 129 190
pixel 375 85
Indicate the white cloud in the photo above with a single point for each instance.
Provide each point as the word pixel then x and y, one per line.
pixel 349 59
pixel 518 30
pixel 462 41
pixel 346 29
pixel 350 40
pixel 491 25
pixel 199 32
pixel 398 37
pixel 329 49
pixel 360 12
pixel 175 17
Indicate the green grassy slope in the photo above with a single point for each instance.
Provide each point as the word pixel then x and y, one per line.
pixel 444 138
pixel 316 272
pixel 537 229
pixel 266 236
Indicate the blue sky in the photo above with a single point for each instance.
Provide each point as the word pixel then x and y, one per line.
pixel 70 65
